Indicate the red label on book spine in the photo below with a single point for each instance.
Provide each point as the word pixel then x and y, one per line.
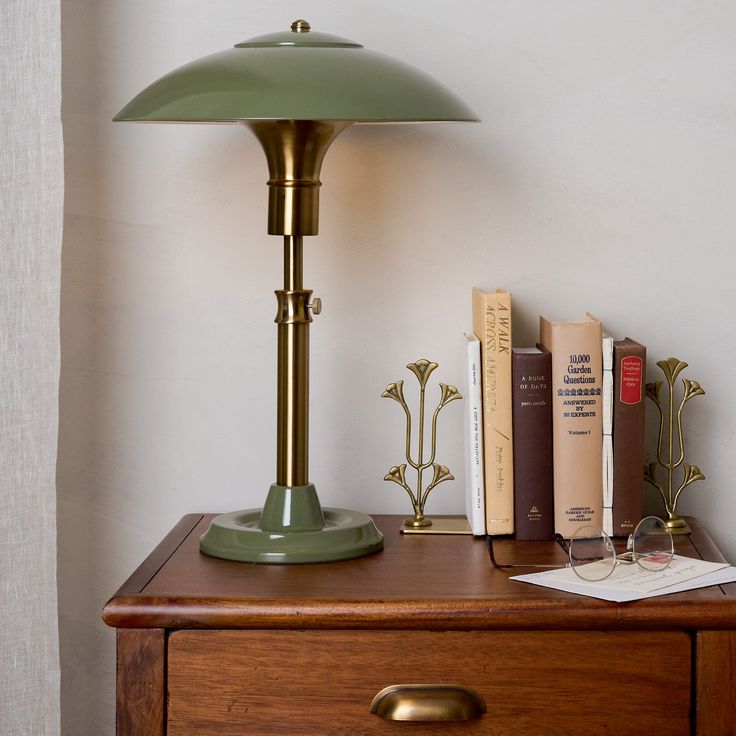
pixel 631 379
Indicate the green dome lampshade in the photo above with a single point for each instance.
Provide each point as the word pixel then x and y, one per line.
pixel 296 92
pixel 296 75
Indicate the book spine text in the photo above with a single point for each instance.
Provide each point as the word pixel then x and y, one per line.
pixel 474 482
pixel 577 426
pixel 628 434
pixel 532 420
pixel 492 326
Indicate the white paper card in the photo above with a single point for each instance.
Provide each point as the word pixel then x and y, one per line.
pixel 630 582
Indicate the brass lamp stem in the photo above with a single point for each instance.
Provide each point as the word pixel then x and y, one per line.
pixel 294 150
pixel 293 318
pixel 293 262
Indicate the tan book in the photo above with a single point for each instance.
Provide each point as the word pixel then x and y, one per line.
pixel 577 420
pixel 492 326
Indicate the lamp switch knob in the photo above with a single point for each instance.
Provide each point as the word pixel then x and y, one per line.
pixel 316 305
pixel 300 26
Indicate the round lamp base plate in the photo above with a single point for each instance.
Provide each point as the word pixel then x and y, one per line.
pixel 238 536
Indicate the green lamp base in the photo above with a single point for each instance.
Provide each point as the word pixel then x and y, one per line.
pixel 292 528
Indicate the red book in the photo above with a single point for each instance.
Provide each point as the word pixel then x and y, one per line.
pixel 531 371
pixel 629 372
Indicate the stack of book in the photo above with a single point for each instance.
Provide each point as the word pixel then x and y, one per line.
pixel 555 432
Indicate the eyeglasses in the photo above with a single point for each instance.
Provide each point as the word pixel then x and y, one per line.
pixel 592 553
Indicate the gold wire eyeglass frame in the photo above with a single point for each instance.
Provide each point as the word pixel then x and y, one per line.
pixel 630 557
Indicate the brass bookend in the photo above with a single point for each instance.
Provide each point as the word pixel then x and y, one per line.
pixel 422 369
pixel 671 426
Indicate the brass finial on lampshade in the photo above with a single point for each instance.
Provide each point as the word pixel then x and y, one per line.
pixel 296 91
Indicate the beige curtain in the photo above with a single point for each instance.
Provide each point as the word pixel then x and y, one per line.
pixel 31 202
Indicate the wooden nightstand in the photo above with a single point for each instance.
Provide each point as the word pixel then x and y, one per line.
pixel 206 646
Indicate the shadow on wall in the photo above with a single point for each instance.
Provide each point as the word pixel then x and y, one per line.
pixel 132 392
pixel 149 407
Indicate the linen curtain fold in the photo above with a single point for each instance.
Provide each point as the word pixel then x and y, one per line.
pixel 31 214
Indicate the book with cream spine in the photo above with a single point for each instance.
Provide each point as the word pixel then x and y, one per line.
pixel 492 326
pixel 577 421
pixel 607 478
pixel 475 503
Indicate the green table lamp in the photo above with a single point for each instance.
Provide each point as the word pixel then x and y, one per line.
pixel 296 91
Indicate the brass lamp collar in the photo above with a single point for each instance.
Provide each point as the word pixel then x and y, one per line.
pixel 294 150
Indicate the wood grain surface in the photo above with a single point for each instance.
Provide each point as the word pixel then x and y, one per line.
pixel 716 683
pixel 141 682
pixel 416 582
pixel 260 649
pixel 228 683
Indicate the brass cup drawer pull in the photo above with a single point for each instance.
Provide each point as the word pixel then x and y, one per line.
pixel 428 703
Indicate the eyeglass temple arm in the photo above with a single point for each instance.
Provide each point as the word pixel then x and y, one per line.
pixel 557 538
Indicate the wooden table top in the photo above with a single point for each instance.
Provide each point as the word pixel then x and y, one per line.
pixel 416 582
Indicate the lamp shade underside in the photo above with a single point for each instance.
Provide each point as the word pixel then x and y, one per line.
pixel 296 76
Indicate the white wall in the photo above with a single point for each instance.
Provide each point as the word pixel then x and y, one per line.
pixel 601 180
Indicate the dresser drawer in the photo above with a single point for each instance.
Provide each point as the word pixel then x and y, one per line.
pixel 232 683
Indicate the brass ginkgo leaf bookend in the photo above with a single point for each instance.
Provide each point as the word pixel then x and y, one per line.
pixel 422 369
pixel 670 424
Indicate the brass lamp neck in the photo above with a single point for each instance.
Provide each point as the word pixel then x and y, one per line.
pixel 294 150
pixel 293 318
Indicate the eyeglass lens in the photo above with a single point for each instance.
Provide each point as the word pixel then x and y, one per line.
pixel 593 555
pixel 652 544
